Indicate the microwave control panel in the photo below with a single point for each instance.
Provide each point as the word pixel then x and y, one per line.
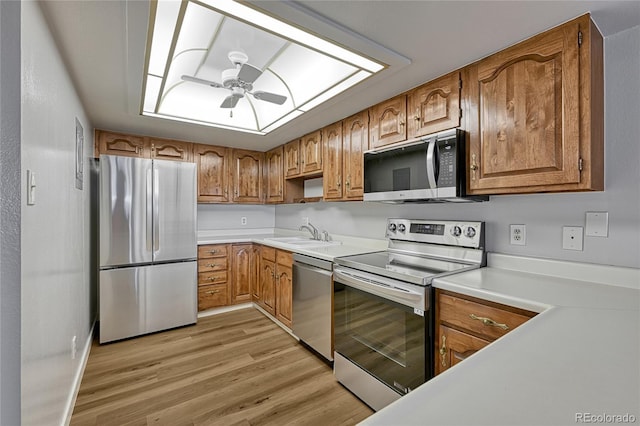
pixel 447 169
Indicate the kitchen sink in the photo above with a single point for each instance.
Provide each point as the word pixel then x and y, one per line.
pixel 302 242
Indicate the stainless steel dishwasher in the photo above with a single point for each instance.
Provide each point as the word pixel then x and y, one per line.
pixel 313 303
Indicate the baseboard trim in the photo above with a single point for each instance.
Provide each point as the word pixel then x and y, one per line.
pixel 71 402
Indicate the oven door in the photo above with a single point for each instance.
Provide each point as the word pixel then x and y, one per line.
pixel 381 327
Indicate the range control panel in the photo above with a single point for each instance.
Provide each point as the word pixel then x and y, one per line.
pixel 445 232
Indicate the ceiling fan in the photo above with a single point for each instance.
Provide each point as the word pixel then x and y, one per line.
pixel 240 81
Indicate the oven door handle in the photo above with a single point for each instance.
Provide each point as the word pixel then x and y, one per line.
pixel 380 288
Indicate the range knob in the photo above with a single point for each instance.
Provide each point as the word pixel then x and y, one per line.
pixel 456 231
pixel 469 232
pixel 392 227
pixel 401 227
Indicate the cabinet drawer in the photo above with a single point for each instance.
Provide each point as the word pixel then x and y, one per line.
pixel 208 251
pixel 488 321
pixel 284 258
pixel 211 265
pixel 211 296
pixel 268 253
pixel 208 278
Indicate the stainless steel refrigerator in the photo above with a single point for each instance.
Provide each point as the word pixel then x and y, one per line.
pixel 148 247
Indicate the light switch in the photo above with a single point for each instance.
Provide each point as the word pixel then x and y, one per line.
pixel 572 238
pixel 31 188
pixel 597 224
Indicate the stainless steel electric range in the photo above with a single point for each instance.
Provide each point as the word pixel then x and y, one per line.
pixel 383 321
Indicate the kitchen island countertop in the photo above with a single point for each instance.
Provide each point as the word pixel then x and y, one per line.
pixel 577 361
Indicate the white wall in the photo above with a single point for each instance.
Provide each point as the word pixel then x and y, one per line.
pixel 543 214
pixel 55 231
pixel 221 216
pixel 9 213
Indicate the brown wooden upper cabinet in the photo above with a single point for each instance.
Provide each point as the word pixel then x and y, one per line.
pixel 213 173
pixel 111 143
pixel 388 122
pixel 434 106
pixel 246 176
pixel 311 153
pixel 333 152
pixel 536 121
pixel 167 149
pixel 274 175
pixel 344 146
pixel 292 158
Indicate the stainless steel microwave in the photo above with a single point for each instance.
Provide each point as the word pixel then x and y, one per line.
pixel 431 169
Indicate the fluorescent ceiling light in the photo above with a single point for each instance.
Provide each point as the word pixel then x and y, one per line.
pixel 224 64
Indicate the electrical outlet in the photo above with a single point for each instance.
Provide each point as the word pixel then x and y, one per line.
pixel 243 220
pixel 572 238
pixel 517 235
pixel 74 347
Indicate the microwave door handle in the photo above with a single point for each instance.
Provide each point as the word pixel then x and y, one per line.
pixel 431 164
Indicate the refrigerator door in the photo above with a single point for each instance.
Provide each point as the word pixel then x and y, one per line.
pixel 145 299
pixel 174 200
pixel 125 211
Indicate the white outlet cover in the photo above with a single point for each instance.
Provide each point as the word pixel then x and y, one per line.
pixel 517 235
pixel 597 224
pixel 572 238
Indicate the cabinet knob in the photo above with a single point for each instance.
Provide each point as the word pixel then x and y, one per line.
pixel 417 116
pixel 213 278
pixel 213 291
pixel 214 251
pixel 443 351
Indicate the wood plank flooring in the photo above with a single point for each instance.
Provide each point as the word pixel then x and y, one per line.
pixel 236 368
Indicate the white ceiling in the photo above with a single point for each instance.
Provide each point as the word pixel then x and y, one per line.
pixel 103 44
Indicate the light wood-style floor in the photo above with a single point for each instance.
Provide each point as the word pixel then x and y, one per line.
pixel 236 368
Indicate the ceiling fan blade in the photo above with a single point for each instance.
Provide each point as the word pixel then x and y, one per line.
pixel 269 97
pixel 249 73
pixel 230 101
pixel 201 81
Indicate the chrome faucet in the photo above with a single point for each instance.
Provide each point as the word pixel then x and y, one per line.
pixel 312 229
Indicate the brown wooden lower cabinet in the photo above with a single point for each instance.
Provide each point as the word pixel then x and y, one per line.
pixel 465 324
pixel 244 275
pixel 276 289
pixel 213 276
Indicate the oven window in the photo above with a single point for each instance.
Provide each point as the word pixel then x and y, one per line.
pixel 385 338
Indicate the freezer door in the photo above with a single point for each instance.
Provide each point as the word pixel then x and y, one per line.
pixel 125 211
pixel 174 222
pixel 145 299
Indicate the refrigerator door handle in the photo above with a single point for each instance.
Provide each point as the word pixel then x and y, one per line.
pixel 156 209
pixel 149 211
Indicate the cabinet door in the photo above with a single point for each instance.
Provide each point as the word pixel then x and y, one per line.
pixel 434 106
pixel 241 272
pixel 120 144
pixel 527 114
pixel 292 159
pixel 454 346
pixel 268 286
pixel 284 297
pixel 255 273
pixel 213 173
pixel 274 176
pixel 311 153
pixel 332 174
pixel 166 149
pixel 388 122
pixel 246 176
pixel 355 142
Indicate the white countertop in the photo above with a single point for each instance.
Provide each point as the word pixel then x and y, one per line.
pixel 579 356
pixel 348 245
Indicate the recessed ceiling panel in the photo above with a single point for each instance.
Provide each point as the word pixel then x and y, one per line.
pixel 222 68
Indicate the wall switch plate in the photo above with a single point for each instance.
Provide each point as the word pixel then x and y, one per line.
pixel 572 238
pixel 597 224
pixel 243 220
pixel 517 235
pixel 31 188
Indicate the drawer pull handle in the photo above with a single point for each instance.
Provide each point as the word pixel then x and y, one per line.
pixel 443 351
pixel 212 278
pixel 213 291
pixel 489 322
pixel 212 265
pixel 214 251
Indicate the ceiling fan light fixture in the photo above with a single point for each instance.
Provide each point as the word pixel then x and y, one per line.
pixel 232 47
